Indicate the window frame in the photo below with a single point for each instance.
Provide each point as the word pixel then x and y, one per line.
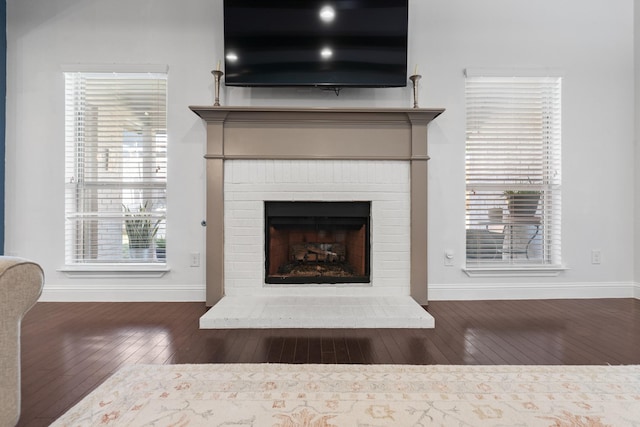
pixel 548 210
pixel 81 263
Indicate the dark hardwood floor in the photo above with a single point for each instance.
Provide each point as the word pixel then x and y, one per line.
pixel 68 349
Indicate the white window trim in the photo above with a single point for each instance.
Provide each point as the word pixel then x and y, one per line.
pixel 115 270
pixel 539 271
pixel 514 72
pixel 118 271
pixel 115 68
pixel 516 270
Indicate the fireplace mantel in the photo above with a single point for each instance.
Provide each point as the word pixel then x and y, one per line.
pixel 315 134
pixel 209 113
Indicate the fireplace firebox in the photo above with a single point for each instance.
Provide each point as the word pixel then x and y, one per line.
pixel 317 242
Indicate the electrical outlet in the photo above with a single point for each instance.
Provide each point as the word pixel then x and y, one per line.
pixel 195 259
pixel 596 256
pixel 448 257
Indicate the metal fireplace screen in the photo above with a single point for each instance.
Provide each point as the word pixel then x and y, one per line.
pixel 317 242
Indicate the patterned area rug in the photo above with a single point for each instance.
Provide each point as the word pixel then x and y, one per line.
pixel 362 395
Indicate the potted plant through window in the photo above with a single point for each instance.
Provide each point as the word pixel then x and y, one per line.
pixel 161 248
pixel 522 202
pixel 141 227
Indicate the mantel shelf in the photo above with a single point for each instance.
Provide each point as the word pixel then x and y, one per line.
pixel 211 113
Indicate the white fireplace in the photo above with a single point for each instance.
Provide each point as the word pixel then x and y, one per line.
pixel 248 184
pixel 257 155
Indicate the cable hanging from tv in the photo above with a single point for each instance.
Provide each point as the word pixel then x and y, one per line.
pixel 335 89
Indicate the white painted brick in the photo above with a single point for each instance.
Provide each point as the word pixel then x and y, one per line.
pixel 244 266
pixel 278 171
pixel 238 284
pixel 231 258
pixel 247 275
pixel 242 240
pixel 248 183
pixel 386 238
pixel 392 230
pixel 242 222
pixel 386 210
pixel 246 249
pixel 400 219
pixel 240 173
pixel 236 205
pixel 240 213
pixel 403 247
pixel 389 274
pixel 313 170
pixel 393 265
pixel 245 231
pixel 392 256
pixel 256 173
pixel 390 283
pixel 338 173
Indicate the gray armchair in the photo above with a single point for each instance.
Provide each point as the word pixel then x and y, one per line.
pixel 21 283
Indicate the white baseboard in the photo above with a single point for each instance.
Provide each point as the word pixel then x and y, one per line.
pixel 123 293
pixel 507 291
pixel 437 292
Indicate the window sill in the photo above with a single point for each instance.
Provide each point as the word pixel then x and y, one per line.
pixel 96 271
pixel 519 271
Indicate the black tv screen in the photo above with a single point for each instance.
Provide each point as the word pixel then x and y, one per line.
pixel 334 43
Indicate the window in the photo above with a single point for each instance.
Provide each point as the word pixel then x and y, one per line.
pixel 513 172
pixel 116 168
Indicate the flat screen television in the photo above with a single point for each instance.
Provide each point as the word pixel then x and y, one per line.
pixel 332 43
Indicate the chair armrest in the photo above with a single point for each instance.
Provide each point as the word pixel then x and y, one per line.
pixel 21 283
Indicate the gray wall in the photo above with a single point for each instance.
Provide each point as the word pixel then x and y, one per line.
pixel 590 42
pixel 3 91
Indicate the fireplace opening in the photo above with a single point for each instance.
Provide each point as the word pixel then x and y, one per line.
pixel 317 242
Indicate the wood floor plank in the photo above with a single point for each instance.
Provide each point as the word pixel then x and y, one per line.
pixel 68 349
pixel 353 343
pixel 450 338
pixel 276 347
pixel 315 349
pixel 340 344
pixel 486 328
pixel 301 354
pixel 289 347
pixel 378 351
pixel 327 347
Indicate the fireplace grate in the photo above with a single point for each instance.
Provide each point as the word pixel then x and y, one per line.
pixel 317 242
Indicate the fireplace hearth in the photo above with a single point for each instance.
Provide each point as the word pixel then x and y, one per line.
pixel 317 242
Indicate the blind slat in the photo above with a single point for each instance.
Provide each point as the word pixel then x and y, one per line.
pixel 116 167
pixel 513 172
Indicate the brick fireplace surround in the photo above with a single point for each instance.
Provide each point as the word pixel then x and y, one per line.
pixel 258 139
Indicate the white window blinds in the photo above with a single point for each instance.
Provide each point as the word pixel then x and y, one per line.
pixel 513 171
pixel 116 167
